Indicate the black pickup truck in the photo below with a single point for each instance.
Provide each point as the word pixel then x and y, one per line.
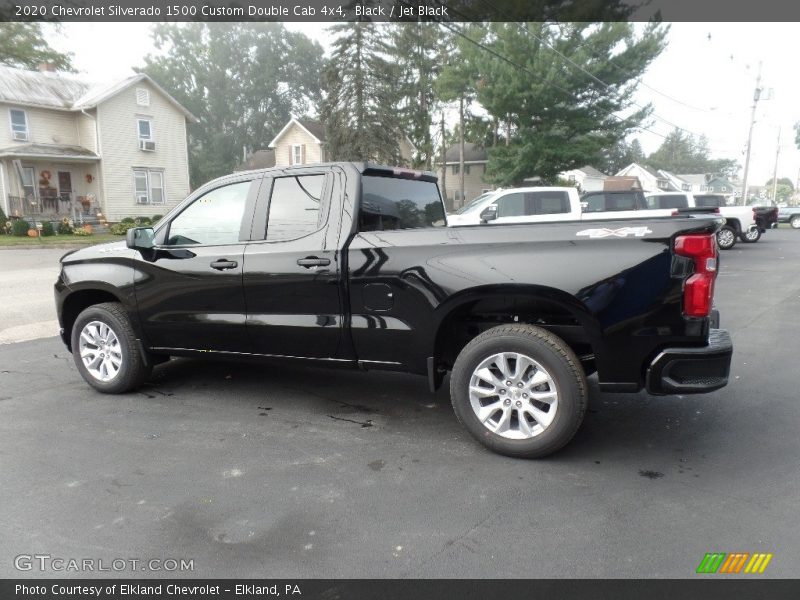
pixel 353 265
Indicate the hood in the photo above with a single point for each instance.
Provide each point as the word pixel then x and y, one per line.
pixel 96 252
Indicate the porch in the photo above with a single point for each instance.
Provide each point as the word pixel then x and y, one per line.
pixel 38 186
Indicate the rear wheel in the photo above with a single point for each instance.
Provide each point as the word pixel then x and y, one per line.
pixel 519 390
pixel 726 238
pixel 752 236
pixel 795 222
pixel 105 349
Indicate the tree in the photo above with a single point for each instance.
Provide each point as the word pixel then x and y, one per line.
pixel 243 81
pixel 620 155
pixel 360 110
pixel 456 82
pixel 555 116
pixel 784 189
pixel 24 45
pixel 414 48
pixel 681 153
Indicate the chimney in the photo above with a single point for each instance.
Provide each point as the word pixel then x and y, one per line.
pixel 47 67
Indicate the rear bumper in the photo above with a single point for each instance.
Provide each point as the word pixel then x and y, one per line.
pixel 692 370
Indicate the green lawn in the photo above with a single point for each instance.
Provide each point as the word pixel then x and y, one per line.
pixel 99 238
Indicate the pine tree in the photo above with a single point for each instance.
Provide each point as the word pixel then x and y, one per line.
pixel 362 88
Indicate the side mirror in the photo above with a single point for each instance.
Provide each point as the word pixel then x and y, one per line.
pixel 489 213
pixel 139 238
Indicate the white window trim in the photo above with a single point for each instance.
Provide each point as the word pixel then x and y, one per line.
pixel 147 173
pixel 152 137
pixel 297 154
pixel 27 124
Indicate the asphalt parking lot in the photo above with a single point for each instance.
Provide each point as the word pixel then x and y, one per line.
pixel 284 471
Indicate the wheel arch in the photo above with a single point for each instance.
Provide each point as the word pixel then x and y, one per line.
pixel 468 313
pixel 79 300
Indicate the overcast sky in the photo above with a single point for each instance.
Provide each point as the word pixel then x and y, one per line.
pixel 703 82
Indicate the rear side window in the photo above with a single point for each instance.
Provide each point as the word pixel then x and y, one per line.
pixel 390 203
pixel 667 201
pixel 609 202
pixel 295 207
pixel 522 204
pixel 709 201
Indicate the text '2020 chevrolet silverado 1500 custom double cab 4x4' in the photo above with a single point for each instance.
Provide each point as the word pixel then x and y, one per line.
pixel 351 264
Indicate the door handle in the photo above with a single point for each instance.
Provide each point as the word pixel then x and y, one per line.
pixel 224 263
pixel 313 261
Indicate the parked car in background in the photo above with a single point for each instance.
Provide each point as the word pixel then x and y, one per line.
pixel 766 213
pixel 791 215
pixel 520 205
pixel 740 221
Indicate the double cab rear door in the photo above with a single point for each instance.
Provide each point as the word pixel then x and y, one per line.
pixel 249 265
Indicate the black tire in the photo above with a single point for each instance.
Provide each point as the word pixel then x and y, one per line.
pixel 752 236
pixel 794 221
pixel 134 368
pixel 554 356
pixel 726 238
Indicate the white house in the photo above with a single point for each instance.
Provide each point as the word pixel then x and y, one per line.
pixel 302 142
pixel 651 180
pixel 79 150
pixel 587 178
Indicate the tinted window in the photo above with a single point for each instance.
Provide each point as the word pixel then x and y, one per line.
pixel 214 218
pixel 609 202
pixel 295 208
pixel 389 203
pixel 710 201
pixel 667 201
pixel 512 205
pixel 532 203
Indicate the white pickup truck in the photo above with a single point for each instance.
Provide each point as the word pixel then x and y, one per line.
pixel 553 204
pixel 740 221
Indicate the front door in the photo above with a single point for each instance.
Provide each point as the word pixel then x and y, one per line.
pixel 292 277
pixel 64 190
pixel 189 289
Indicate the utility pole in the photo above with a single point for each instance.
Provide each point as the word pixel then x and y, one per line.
pixel 444 161
pixel 756 97
pixel 775 171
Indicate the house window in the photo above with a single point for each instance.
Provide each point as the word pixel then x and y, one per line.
pixel 19 125
pixel 28 188
pixel 455 169
pixel 724 188
pixel 145 129
pixel 466 169
pixel 297 154
pixel 142 97
pixel 148 186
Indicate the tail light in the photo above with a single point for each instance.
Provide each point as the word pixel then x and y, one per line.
pixel 698 289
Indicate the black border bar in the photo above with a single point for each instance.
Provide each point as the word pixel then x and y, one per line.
pixel 708 587
pixel 399 10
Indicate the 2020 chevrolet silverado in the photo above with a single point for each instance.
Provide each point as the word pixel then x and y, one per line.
pixel 351 264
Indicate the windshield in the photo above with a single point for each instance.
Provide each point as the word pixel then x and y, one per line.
pixel 470 206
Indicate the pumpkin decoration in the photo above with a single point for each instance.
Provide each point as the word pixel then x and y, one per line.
pixel 87 228
pixel 89 178
pixel 33 232
pixel 45 174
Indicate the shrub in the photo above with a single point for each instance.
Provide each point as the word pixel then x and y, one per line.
pixel 142 221
pixel 64 227
pixel 82 232
pixel 156 219
pixel 120 228
pixel 3 217
pixel 47 229
pixel 20 227
pixel 127 220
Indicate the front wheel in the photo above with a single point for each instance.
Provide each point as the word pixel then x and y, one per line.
pixel 105 349
pixel 795 222
pixel 726 238
pixel 751 236
pixel 519 390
